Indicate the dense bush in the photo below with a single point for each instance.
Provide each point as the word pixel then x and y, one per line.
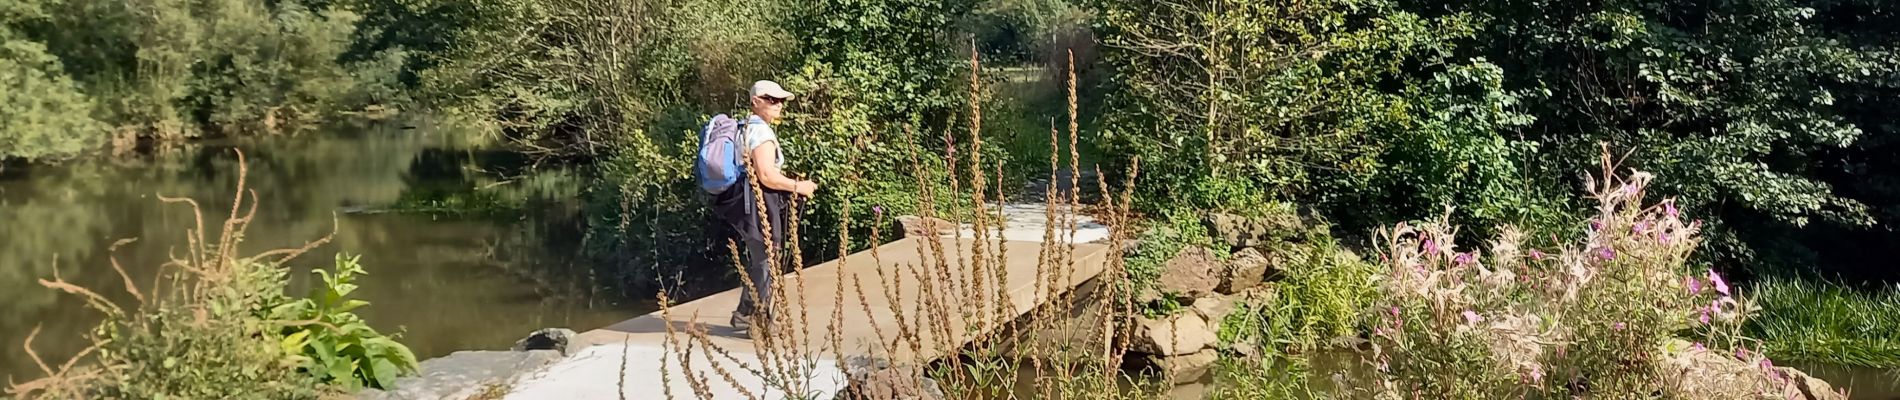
pixel 1761 111
pixel 43 110
pixel 1610 315
pixel 177 68
pixel 1231 103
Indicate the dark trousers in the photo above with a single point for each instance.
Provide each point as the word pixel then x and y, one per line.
pixel 736 206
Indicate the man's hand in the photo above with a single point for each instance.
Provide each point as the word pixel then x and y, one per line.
pixel 805 188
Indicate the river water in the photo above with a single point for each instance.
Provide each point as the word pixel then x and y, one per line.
pixel 466 248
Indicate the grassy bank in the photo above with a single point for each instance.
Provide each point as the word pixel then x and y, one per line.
pixel 1829 323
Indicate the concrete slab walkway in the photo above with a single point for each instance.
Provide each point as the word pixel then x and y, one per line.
pixel 629 357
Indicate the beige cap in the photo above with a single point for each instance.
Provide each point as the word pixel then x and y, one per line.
pixel 770 89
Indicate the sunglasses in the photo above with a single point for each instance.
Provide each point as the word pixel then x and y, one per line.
pixel 772 100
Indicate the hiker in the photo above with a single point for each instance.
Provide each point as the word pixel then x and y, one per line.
pixel 736 203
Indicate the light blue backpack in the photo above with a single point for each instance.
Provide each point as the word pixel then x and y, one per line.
pixel 719 166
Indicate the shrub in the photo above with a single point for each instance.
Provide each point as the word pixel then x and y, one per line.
pixel 336 345
pixel 44 112
pixel 1599 317
pixel 211 327
pixel 1233 102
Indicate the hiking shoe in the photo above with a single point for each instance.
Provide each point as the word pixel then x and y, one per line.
pixel 741 324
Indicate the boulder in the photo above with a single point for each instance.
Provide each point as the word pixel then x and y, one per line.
pixel 1189 391
pixel 1246 350
pixel 1810 387
pixel 1179 334
pixel 1215 308
pixel 876 379
pixel 1246 269
pixel 1188 368
pixel 1193 272
pixel 546 339
pixel 1703 374
pixel 1241 231
pixel 914 226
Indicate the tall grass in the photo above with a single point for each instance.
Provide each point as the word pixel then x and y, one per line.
pixel 1808 321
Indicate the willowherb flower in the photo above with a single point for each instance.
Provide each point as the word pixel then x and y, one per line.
pixel 1606 253
pixel 1699 347
pixel 878 209
pixel 1619 326
pixel 1429 246
pixel 1720 286
pixel 1463 258
pixel 1640 227
pixel 1705 317
pixel 1537 255
pixel 1692 284
pixel 1669 208
pixel 1595 225
pixel 1472 317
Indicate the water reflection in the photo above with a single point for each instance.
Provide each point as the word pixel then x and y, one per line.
pixel 502 265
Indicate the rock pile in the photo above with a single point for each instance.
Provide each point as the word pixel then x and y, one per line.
pixel 1185 344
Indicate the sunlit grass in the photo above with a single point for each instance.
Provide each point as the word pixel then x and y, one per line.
pixel 1809 321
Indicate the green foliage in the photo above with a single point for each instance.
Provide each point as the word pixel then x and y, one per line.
pixel 1229 102
pixel 334 344
pixel 1757 109
pixel 1019 31
pixel 1323 295
pixel 210 345
pixel 43 111
pixel 216 325
pixel 171 68
pixel 1805 321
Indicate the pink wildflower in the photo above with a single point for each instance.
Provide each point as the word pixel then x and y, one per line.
pixel 1606 253
pixel 1594 225
pixel 1720 286
pixel 1430 246
pixel 1699 347
pixel 1472 317
pixel 1694 285
pixel 1395 311
pixel 1741 353
pixel 1640 227
pixel 1463 259
pixel 1705 316
pixel 1618 326
pixel 1537 255
pixel 1669 208
pixel 1664 238
pixel 878 209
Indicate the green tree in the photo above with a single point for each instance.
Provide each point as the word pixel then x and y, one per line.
pixel 1745 105
pixel 44 113
pixel 1229 103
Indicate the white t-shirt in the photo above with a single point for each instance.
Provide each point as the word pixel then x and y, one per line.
pixel 757 133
